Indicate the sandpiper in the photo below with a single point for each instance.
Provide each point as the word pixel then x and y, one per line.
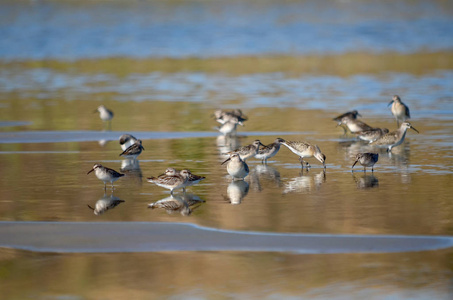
pixel 105 174
pixel 395 138
pixel 236 167
pixel 105 114
pixel 356 125
pixel 366 160
pixel 171 182
pixel 269 151
pixel 228 128
pixel 127 140
pixel 371 135
pixel 399 110
pixel 248 151
pixel 350 115
pixel 134 150
pixel 235 116
pixel 192 179
pixel 305 149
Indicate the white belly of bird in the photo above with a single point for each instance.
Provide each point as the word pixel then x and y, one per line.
pixel 237 170
pixel 105 176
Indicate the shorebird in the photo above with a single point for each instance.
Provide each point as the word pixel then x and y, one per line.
pixel 399 110
pixel 105 114
pixel 305 149
pixel 105 203
pixel 269 151
pixel 371 135
pixel 236 167
pixel 366 160
pixel 105 174
pixel 171 182
pixel 134 150
pixel 356 125
pixel 248 151
pixel 228 128
pixel 127 140
pixel 235 116
pixel 192 179
pixel 350 115
pixel 395 138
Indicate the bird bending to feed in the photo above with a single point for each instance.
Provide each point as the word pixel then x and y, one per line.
pixel 127 140
pixel 342 119
pixel 305 149
pixel 356 125
pixel 371 135
pixel 105 174
pixel 394 138
pixel 399 110
pixel 134 150
pixel 171 180
pixel 350 115
pixel 248 151
pixel 269 151
pixel 236 167
pixel 366 160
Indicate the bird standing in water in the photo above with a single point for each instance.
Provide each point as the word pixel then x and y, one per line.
pixel 366 160
pixel 399 110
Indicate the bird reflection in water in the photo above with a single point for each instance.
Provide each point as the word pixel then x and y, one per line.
pixel 131 167
pixel 103 142
pixel 185 204
pixel 365 181
pixel 263 172
pixel 236 191
pixel 105 203
pixel 305 183
pixel 227 143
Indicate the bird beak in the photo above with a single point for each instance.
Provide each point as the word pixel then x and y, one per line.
pixel 390 103
pixel 354 164
pixel 90 171
pixel 95 111
pixel 359 114
pixel 415 129
pixel 229 158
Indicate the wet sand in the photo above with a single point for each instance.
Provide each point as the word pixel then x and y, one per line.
pixel 113 237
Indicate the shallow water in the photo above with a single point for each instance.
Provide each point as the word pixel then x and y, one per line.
pixel 163 67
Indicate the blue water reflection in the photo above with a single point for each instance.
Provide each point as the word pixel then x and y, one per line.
pixel 94 29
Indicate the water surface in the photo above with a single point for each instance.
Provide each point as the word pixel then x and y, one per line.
pixel 163 67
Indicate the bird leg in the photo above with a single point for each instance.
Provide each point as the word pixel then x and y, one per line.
pixel 301 159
